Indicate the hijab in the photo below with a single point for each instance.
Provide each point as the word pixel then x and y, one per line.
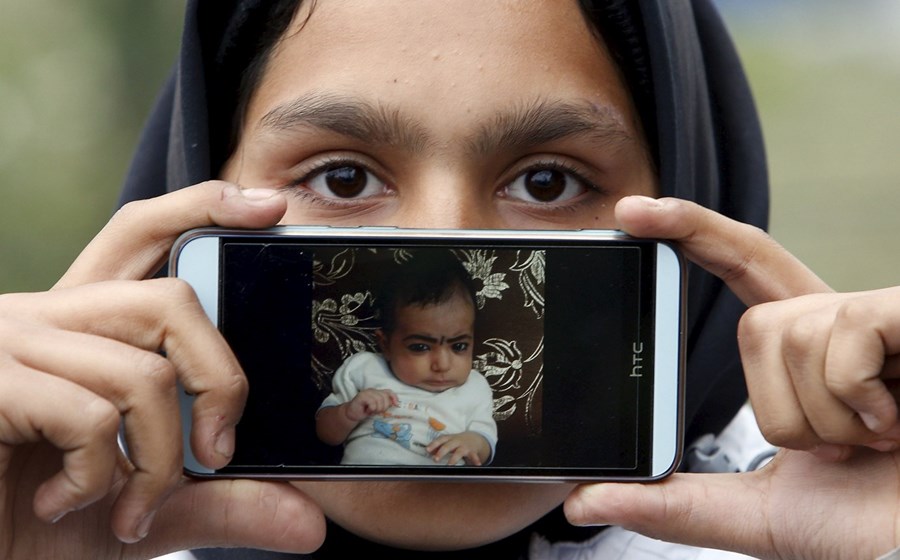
pixel 688 85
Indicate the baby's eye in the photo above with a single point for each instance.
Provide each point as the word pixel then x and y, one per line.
pixel 417 347
pixel 460 346
pixel 344 180
pixel 546 184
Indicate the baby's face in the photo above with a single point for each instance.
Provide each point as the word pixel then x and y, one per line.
pixel 460 114
pixel 431 346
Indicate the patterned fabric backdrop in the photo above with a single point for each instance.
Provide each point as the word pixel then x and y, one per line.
pixel 508 327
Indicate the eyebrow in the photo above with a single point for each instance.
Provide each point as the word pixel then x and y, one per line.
pixel 433 340
pixel 545 121
pixel 531 124
pixel 348 116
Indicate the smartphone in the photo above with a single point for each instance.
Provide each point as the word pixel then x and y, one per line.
pixel 578 334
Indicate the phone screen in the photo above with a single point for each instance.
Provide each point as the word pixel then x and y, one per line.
pixel 563 336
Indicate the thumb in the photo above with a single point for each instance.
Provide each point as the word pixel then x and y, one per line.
pixel 238 513
pixel 707 510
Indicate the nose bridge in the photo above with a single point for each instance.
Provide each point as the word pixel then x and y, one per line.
pixel 440 357
pixel 447 200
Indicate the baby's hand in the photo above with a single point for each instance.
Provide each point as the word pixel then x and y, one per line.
pixel 369 402
pixel 470 446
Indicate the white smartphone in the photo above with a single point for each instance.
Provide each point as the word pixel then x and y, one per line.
pixel 578 334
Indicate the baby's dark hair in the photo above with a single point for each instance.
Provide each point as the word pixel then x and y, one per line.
pixel 430 277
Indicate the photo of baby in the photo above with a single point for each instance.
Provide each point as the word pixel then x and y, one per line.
pixel 418 400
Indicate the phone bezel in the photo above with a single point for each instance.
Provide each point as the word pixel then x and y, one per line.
pixel 195 259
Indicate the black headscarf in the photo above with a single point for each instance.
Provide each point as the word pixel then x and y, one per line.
pixel 690 90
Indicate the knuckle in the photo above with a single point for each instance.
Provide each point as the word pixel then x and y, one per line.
pixel 175 290
pixel 849 389
pixel 237 386
pixel 756 321
pixel 837 426
pixel 130 212
pixel 102 416
pixel 760 243
pixel 801 335
pixel 832 432
pixel 854 312
pixel 785 434
pixel 157 372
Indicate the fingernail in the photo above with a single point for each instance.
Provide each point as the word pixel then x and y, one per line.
pixel 143 526
pixel 871 421
pixel 225 444
pixel 647 201
pixel 141 530
pixel 884 446
pixel 830 452
pixel 258 194
pixel 61 515
pixel 576 513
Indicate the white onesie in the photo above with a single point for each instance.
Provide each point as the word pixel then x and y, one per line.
pixel 399 435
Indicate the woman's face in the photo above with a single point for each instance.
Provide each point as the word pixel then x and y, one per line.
pixel 463 114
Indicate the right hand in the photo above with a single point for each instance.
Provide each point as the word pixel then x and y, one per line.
pixel 77 361
pixel 369 402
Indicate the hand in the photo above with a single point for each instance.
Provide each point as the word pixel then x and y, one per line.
pixel 369 402
pixel 813 360
pixel 818 369
pixel 799 506
pixel 468 446
pixel 80 359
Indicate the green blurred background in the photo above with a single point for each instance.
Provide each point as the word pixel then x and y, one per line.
pixel 78 77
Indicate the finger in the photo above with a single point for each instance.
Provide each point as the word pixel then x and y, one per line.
pixel 772 393
pixel 238 513
pixel 471 458
pixel 374 403
pixel 864 340
pixel 384 401
pixel 141 386
pixel 443 451
pixel 755 267
pixel 805 346
pixel 455 450
pixel 707 510
pixel 79 423
pixel 137 240
pixel 833 452
pixel 152 315
pixel 436 443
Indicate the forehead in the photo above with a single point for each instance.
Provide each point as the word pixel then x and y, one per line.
pixel 458 307
pixel 465 56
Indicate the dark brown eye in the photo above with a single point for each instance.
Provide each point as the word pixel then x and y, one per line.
pixel 346 181
pixel 545 185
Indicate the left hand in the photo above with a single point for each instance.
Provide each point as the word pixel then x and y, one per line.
pixel 820 370
pixel 467 446
pixel 796 507
pixel 791 494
